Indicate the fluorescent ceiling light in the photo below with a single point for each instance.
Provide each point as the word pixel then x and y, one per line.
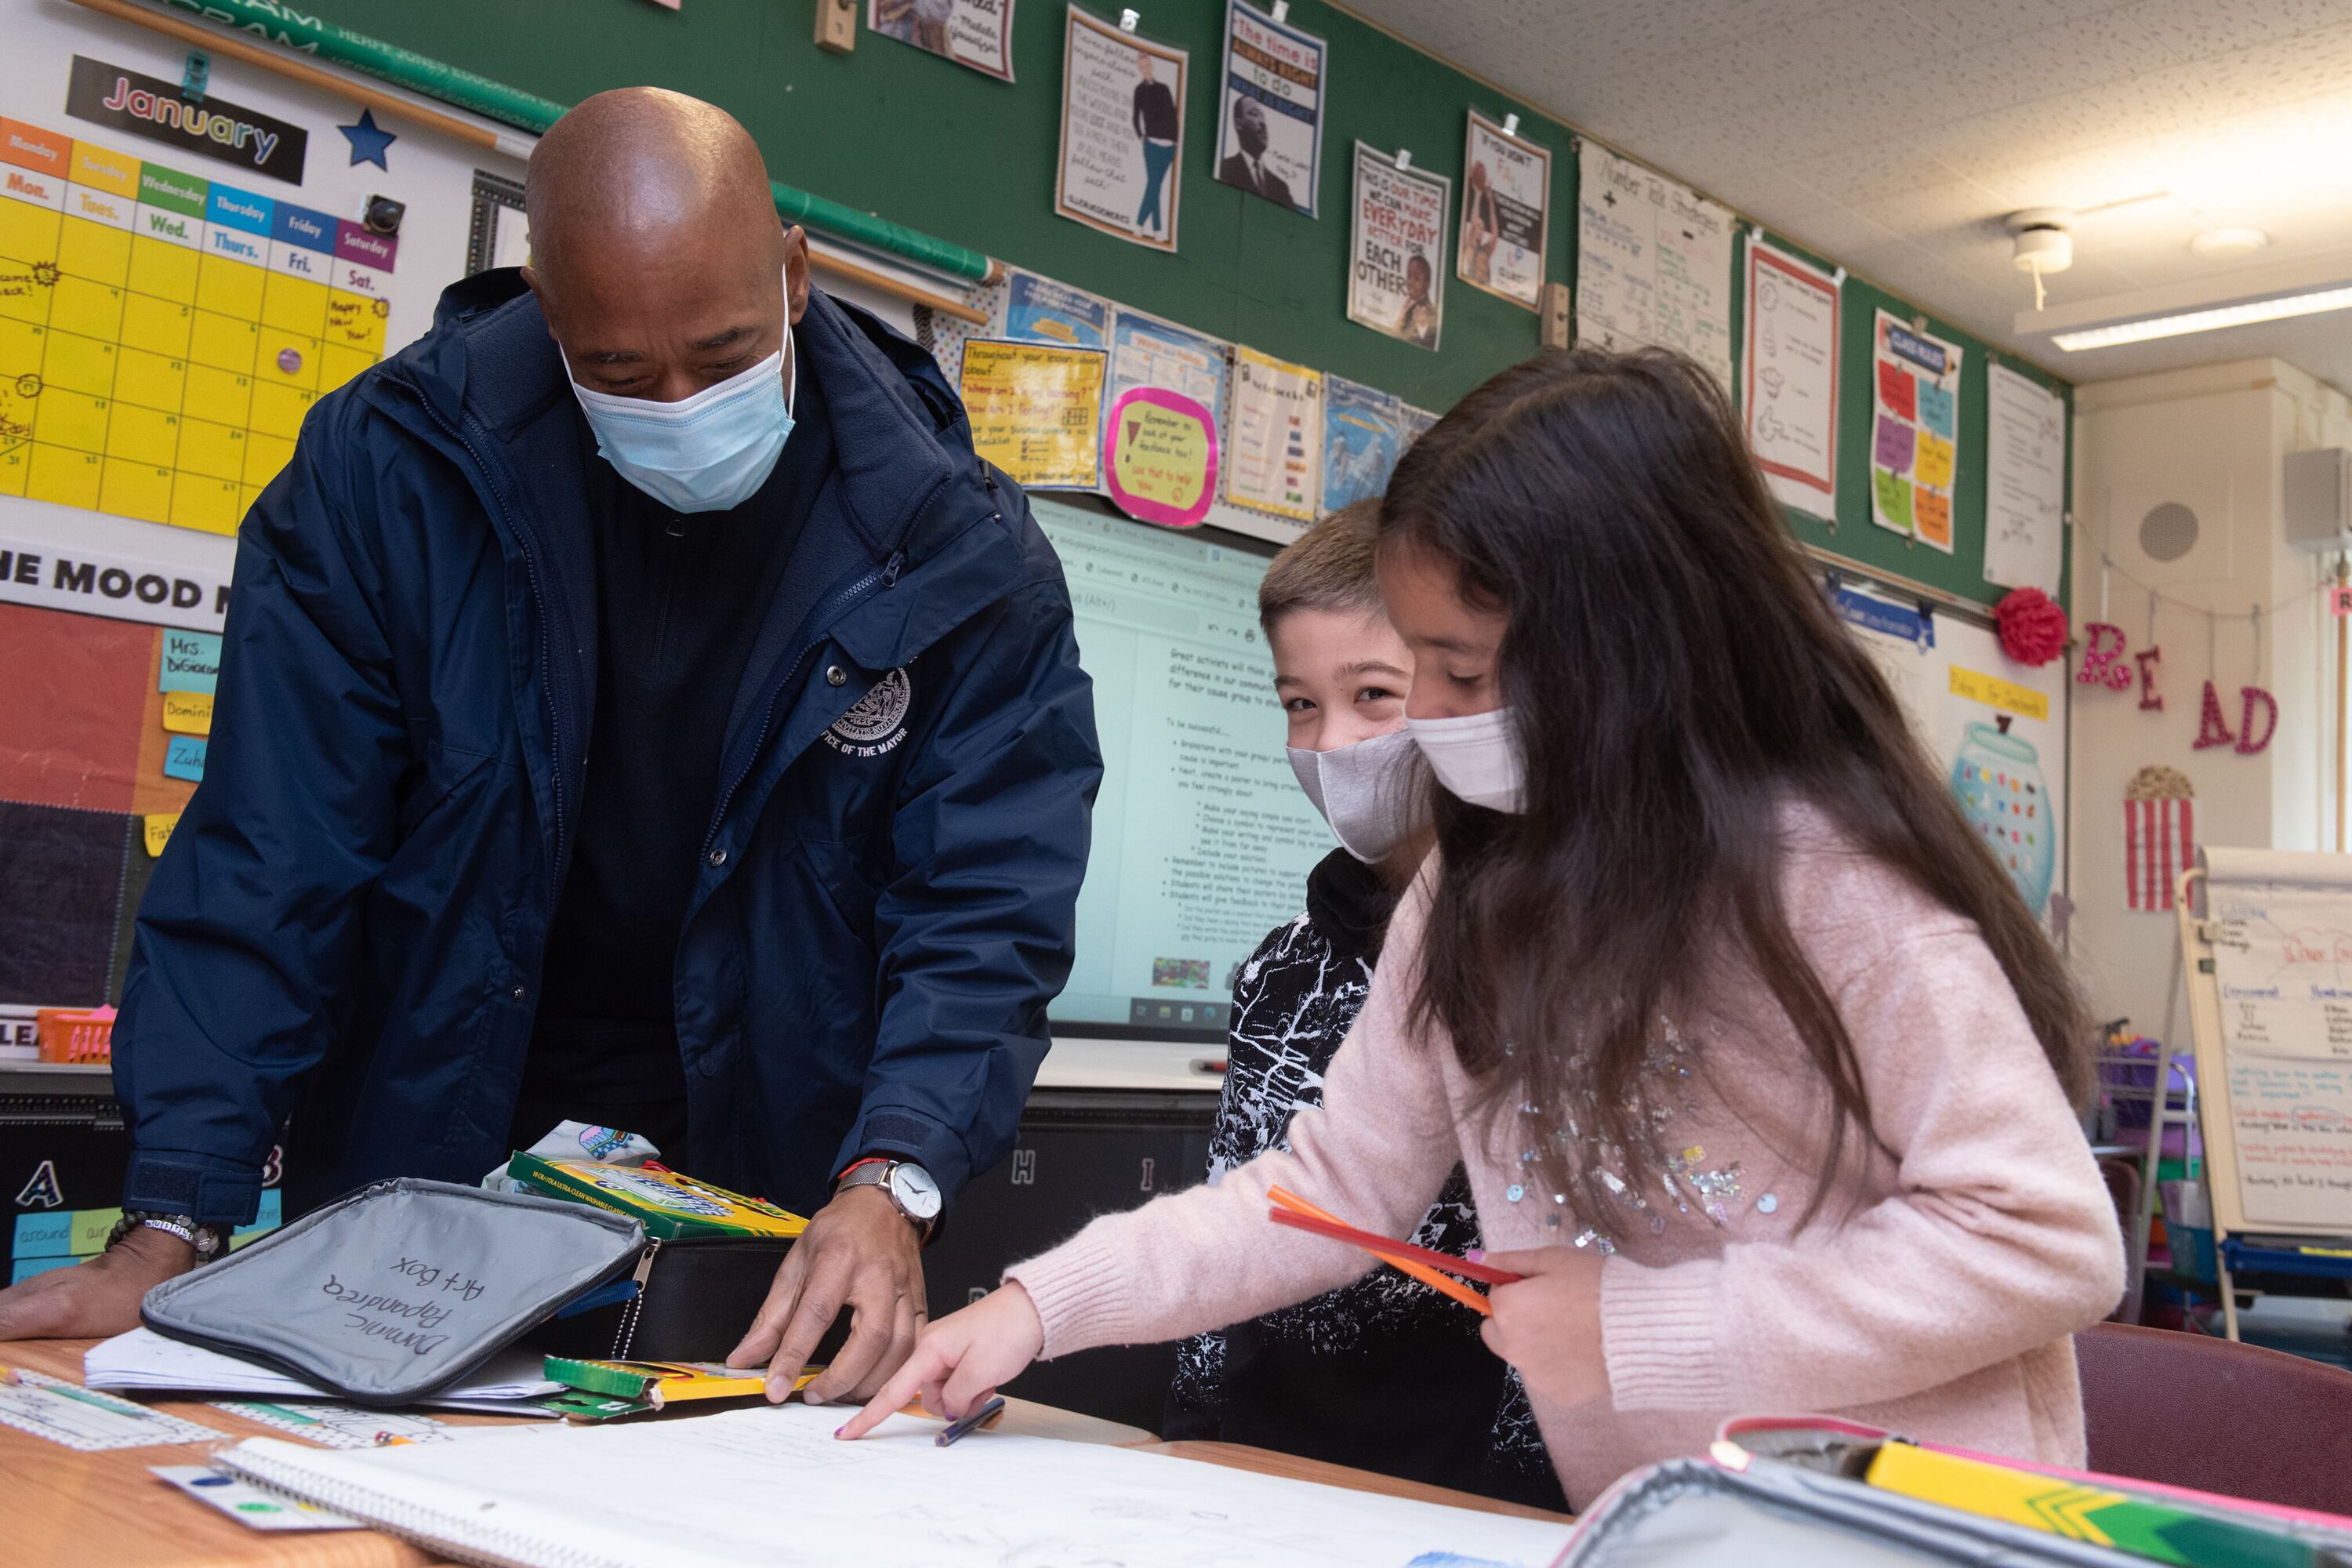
pixel 2311 303
pixel 2226 242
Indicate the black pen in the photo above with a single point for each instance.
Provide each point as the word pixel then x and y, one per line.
pixel 970 1420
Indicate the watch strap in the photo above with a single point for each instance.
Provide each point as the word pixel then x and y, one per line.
pixel 875 1172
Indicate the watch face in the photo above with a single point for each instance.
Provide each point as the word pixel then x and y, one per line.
pixel 916 1192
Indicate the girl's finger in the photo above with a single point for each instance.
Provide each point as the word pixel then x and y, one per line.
pixel 965 1391
pixel 925 1365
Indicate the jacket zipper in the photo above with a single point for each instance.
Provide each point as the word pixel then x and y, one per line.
pixel 539 598
pixel 887 576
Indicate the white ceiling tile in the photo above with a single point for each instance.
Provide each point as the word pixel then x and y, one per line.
pixel 1896 134
pixel 1838 232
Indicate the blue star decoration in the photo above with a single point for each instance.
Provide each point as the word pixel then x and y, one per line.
pixel 367 140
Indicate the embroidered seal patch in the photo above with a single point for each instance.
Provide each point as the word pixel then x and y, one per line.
pixel 877 722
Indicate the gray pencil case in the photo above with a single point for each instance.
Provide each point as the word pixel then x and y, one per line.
pixel 398 1290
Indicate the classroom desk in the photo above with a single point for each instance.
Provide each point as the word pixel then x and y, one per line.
pixel 104 1510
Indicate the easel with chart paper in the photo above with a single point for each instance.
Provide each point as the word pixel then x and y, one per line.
pixel 2269 969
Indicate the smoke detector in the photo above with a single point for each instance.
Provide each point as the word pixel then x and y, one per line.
pixel 2041 243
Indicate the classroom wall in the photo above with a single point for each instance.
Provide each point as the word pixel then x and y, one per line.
pixel 946 150
pixel 2216 433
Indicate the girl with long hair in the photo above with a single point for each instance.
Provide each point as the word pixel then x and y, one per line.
pixel 1763 1073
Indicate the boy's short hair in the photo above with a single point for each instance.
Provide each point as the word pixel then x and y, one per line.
pixel 1328 567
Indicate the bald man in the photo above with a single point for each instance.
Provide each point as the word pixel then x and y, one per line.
pixel 639 707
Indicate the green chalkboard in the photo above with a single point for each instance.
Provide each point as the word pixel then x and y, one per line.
pixel 928 143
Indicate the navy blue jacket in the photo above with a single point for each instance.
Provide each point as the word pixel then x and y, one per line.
pixel 348 924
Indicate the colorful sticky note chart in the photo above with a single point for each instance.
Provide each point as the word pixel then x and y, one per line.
pixel 191 661
pixel 157 830
pixel 1893 449
pixel 184 757
pixel 1897 389
pixel 1937 407
pixel 188 712
pixel 1932 516
pixel 1935 461
pixel 1893 498
pixel 47 1233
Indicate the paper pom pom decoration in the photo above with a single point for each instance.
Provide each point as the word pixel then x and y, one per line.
pixel 2032 627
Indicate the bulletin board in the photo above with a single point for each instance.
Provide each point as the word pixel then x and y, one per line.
pixel 971 158
pixel 1853 534
pixel 181 280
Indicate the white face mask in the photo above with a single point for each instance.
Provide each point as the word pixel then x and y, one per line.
pixel 1364 791
pixel 1477 757
pixel 709 452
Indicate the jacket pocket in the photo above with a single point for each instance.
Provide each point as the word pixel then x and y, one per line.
pixel 446 768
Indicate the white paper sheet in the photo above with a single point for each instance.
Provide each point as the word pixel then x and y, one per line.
pixel 1791 367
pixel 2025 482
pixel 1654 263
pixel 143 1360
pixel 2292 1125
pixel 2283 959
pixel 795 1495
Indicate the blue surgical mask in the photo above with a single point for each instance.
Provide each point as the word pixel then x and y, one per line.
pixel 709 452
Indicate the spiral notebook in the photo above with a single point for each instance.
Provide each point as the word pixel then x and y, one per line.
pixel 772 1486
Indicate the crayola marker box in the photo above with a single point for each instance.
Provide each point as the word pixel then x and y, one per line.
pixel 672 1206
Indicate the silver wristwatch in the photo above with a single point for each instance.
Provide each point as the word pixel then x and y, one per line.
pixel 907 1186
pixel 209 1240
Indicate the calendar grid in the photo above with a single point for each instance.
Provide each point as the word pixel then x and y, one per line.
pixel 162 335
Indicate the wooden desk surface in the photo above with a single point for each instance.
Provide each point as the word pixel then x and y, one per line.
pixel 98 1510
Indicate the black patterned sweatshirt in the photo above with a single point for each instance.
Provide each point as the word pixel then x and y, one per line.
pixel 1383 1374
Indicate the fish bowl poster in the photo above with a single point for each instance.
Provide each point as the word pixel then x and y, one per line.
pixel 1995 730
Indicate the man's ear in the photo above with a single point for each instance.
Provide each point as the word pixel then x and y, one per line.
pixel 796 273
pixel 531 281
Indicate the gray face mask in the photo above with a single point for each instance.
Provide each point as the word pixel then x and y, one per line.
pixel 1364 791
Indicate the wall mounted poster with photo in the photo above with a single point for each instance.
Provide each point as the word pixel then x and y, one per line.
pixel 1121 165
pixel 1506 214
pixel 975 33
pixel 1270 121
pixel 1396 281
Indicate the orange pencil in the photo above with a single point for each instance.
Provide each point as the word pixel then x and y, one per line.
pixel 1421 1271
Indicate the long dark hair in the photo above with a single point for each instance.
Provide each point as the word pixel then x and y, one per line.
pixel 1677 674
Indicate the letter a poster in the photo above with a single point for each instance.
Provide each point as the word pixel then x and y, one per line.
pixel 1915 431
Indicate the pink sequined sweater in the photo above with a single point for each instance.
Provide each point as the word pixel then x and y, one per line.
pixel 1939 1303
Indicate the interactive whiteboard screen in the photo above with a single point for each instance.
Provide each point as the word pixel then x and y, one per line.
pixel 1203 839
